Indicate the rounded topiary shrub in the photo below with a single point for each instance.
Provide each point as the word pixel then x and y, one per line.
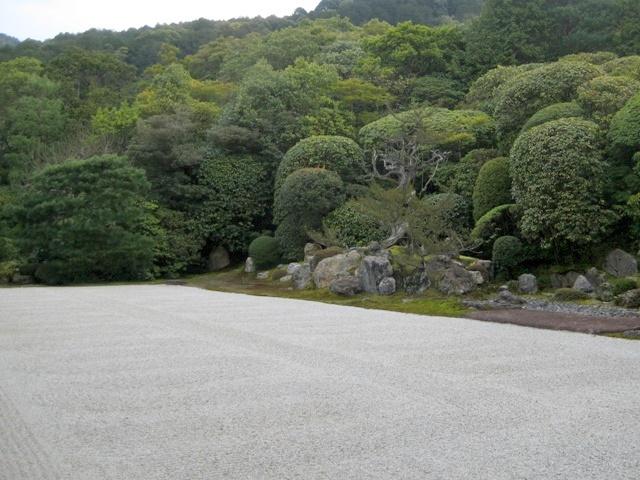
pixel 265 252
pixel 531 91
pixel 624 133
pixel 353 228
pixel 554 112
pixel 558 180
pixel 338 154
pixel 493 187
pixel 603 96
pixel 508 253
pixel 305 198
pixel 496 223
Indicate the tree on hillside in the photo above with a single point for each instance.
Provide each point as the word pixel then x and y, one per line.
pixel 85 220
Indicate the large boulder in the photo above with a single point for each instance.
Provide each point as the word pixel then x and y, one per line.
pixel 630 299
pixel 319 255
pixel 484 267
pixel 456 281
pixel 337 266
pixel 387 286
pixel 604 292
pixel 450 276
pixel 528 283
pixel 218 259
pixel 582 284
pixel 371 272
pixel 301 277
pixel 507 299
pixel 595 277
pixel 620 264
pixel 477 276
pixel 346 286
pixel 292 267
pixel 409 271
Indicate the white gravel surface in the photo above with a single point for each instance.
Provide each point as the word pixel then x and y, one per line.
pixel 162 382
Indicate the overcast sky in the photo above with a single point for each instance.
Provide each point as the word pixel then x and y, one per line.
pixel 42 19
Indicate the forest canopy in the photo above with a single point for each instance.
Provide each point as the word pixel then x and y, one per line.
pixel 351 123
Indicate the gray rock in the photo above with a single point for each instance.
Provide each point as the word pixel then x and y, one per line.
pixel 417 282
pixel 387 286
pixel 19 279
pixel 263 276
pixel 302 277
pixel 436 265
pixel 506 298
pixel 482 266
pixel 456 281
pixel 218 259
pixel 346 286
pixel 604 292
pixel 338 266
pixel 477 277
pixel 583 285
pixel 620 264
pixel 630 299
pixel 286 278
pixel 292 267
pixel 527 283
pixel 371 272
pixel 249 265
pixel 633 334
pixel 595 277
pixel 449 276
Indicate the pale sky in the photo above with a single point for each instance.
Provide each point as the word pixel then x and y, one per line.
pixel 42 19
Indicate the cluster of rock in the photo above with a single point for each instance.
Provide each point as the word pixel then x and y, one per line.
pixel 377 271
pixel 591 282
pixel 618 263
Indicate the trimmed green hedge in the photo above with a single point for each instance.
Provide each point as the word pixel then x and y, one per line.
pixel 493 187
pixel 338 154
pixel 265 252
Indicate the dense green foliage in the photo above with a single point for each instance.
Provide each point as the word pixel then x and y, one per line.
pixel 625 127
pixel 401 109
pixel 353 228
pixel 558 177
pixel 85 220
pixel 304 199
pixel 234 200
pixel 419 11
pixel 622 285
pixel 338 154
pixel 508 253
pixel 498 222
pixel 265 252
pixel 493 187
pixel 531 91
pixel 554 112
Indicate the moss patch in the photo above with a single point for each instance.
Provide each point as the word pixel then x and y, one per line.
pixel 235 281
